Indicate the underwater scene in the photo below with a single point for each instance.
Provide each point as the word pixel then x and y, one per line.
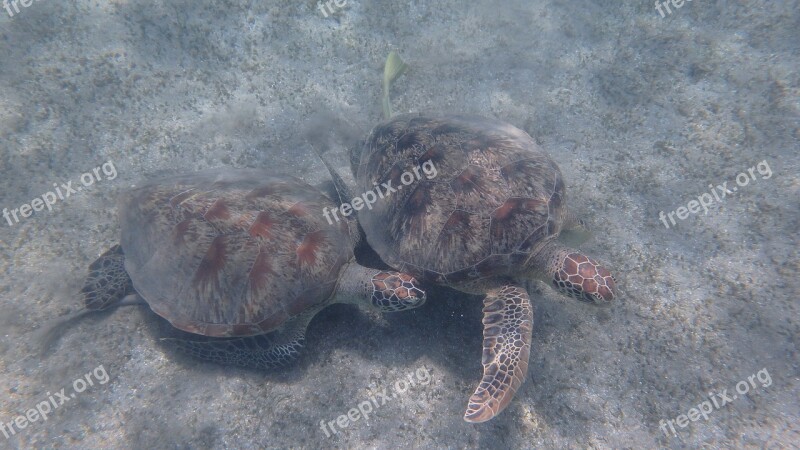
pixel 359 224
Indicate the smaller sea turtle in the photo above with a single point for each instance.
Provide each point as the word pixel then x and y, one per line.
pixel 484 219
pixel 233 254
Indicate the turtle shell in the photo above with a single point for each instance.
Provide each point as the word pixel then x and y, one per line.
pixel 492 201
pixel 231 252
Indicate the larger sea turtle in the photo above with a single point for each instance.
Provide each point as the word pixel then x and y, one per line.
pixel 484 223
pixel 232 254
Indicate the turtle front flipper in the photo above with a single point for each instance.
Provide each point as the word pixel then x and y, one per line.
pixel 107 282
pixel 507 327
pixel 276 349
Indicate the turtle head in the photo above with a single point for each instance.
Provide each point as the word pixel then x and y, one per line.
pixel 578 276
pixel 395 291
pixel 384 290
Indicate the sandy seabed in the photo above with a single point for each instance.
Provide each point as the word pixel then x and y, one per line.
pixel 643 113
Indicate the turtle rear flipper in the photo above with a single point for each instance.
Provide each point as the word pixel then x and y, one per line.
pixel 107 282
pixel 507 328
pixel 106 285
pixel 255 352
pixel 276 349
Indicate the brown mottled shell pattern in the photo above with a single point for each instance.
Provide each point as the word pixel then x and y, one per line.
pixel 496 199
pixel 231 252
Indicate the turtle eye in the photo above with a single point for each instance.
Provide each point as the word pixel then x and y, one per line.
pixel 394 291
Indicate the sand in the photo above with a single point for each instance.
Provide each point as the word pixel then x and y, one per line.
pixel 641 112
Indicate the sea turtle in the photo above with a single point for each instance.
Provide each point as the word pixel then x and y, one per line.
pixel 233 254
pixel 484 219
